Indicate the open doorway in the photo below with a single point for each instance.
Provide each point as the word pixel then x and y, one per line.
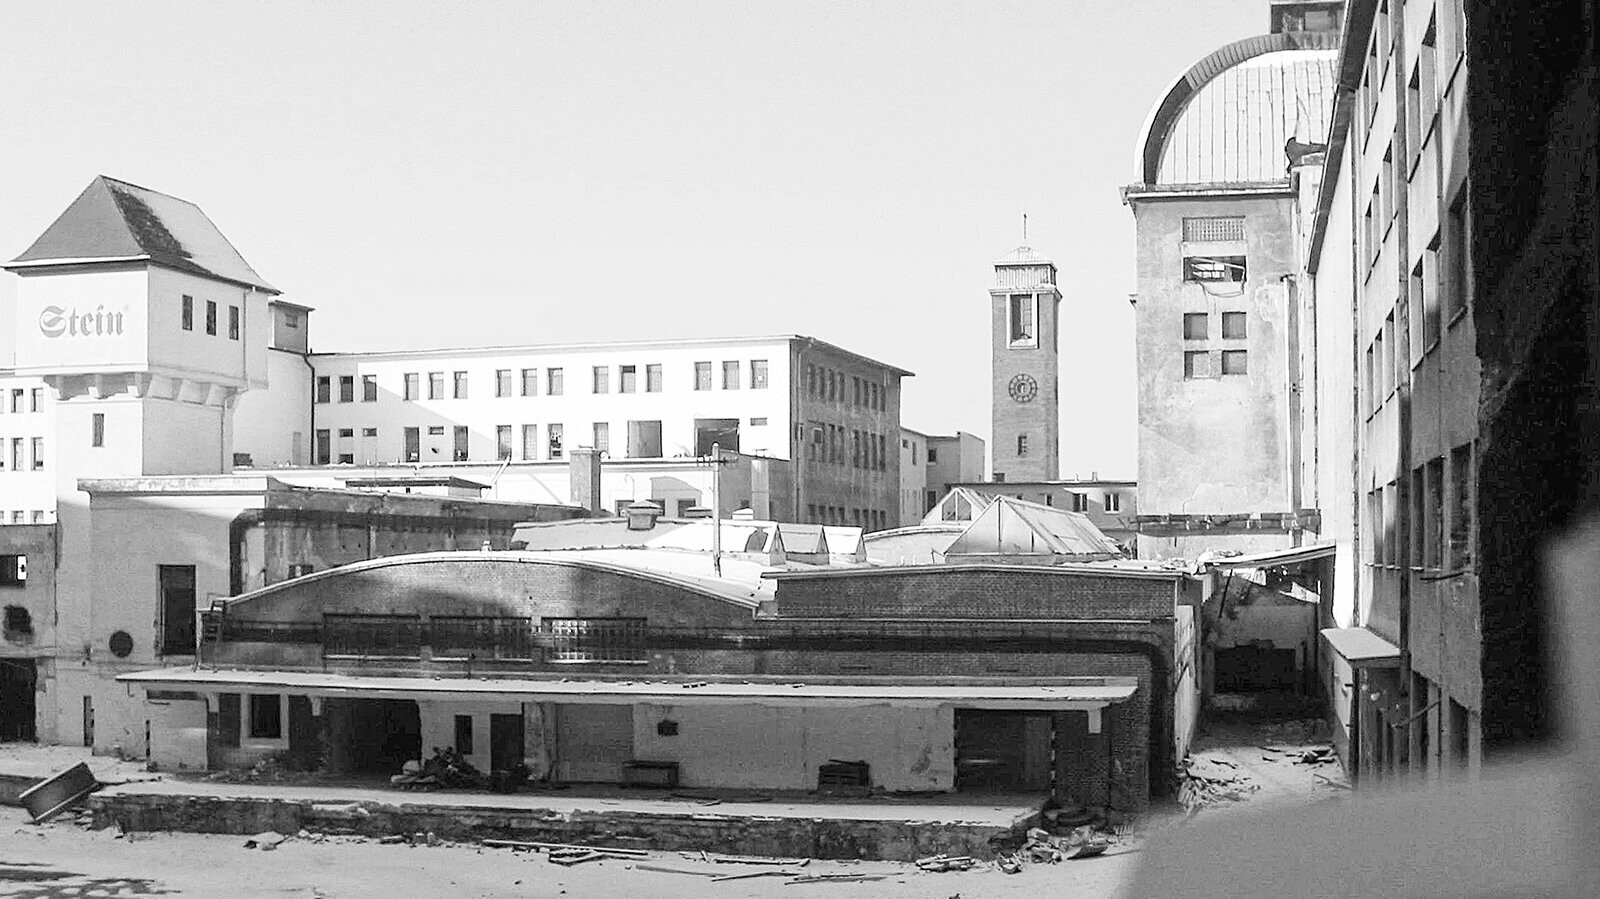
pixel 1002 751
pixel 372 736
pixel 18 678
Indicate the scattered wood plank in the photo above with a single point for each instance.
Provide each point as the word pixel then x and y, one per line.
pixel 665 870
pixel 757 860
pixel 781 872
pixel 568 860
pixel 547 847
pixel 833 878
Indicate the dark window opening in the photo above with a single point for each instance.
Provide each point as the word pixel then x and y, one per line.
pixel 1235 362
pixel 464 734
pixel 18 622
pixel 1214 268
pixel 1022 314
pixel 228 719
pixel 266 716
pixel 724 432
pixel 1196 326
pixel 211 317
pixel 177 585
pixel 13 571
pixel 1233 326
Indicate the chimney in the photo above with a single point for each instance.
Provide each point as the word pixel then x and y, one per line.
pixel 584 471
pixel 642 515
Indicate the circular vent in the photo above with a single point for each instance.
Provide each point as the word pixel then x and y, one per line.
pixel 121 644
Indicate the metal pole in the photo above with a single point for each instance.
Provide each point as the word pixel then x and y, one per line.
pixel 716 508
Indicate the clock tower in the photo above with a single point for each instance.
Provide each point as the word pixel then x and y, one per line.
pixel 1025 308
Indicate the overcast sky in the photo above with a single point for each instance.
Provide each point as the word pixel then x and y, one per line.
pixel 430 174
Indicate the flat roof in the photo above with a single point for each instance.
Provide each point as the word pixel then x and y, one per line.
pixel 1078 568
pixel 1008 693
pixel 1361 647
pixel 1274 558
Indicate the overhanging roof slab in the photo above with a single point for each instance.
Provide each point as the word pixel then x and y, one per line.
pixel 1362 648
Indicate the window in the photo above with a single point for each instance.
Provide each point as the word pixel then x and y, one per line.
pixel 324 389
pixel 460 385
pixel 502 382
pixel 291 320
pixel 758 374
pixel 602 379
pixel 652 379
pixel 413 389
pixel 530 382
pixel 233 322
pixel 369 432
pixel 176 584
pixel 811 380
pixel 1080 502
pixel 602 436
pixel 1461 476
pixel 369 388
pixel 229 717
pixel 1233 326
pixel 266 716
pixel 346 433
pixel 1196 364
pixel 644 439
pixel 933 455
pixel 1235 362
pixel 323 453
pixel 13 570
pixel 35 399
pixel 1113 502
pixel 436 431
pixel 1214 268
pixel 1022 448
pixel 555 380
pixel 553 434
pixel 347 388
pixel 702 376
pixel 1196 326
pixel 730 375
pixel 628 379
pixel 460 437
pixel 530 441
pixel 1214 228
pixel 1456 293
pixel 435 385
pixel 188 313
pixel 97 430
pixel 372 635
pixel 38 453
pixel 413 444
pixel 16 454
pixel 464 734
pixel 1433 514
pixel 1021 309
pixel 610 640
pixel 502 441
pixel 211 317
pixel 16 400
pixel 855 386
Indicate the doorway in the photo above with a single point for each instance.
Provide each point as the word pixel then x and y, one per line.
pixel 177 609
pixel 505 742
pixel 1000 750
pixel 18 680
pixel 372 736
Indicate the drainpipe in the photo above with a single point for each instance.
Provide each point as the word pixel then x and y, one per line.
pixel 312 431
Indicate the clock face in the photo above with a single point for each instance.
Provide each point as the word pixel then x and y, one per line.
pixel 1023 388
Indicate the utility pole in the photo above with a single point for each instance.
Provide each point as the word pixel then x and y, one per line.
pixel 716 508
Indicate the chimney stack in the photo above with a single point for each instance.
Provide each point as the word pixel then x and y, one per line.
pixel 642 515
pixel 584 471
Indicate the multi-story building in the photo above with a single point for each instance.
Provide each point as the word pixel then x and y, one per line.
pixel 952 459
pixel 913 476
pixel 1213 207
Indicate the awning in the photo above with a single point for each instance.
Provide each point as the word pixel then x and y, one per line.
pixel 1275 559
pixel 1065 693
pixel 1362 648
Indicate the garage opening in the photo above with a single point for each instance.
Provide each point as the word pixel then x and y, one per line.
pixel 1255 668
pixel 372 736
pixel 17 683
pixel 1002 751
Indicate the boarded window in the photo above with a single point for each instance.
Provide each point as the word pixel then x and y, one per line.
pixel 372 635
pixel 1214 268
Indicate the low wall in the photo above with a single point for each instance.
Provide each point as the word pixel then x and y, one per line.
pixel 793 837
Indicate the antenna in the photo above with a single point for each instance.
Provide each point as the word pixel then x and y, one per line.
pixel 1024 228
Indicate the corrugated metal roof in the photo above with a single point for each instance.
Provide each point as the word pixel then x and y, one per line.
pixel 115 220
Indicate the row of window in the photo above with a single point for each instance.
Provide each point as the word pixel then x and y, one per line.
pixel 1197 326
pixel 840 445
pixel 830 385
pixel 25 400
pixel 643 438
pixel 867 519
pixel 1434 511
pixel 22 516
pixel 1199 364
pixel 556 640
pixel 211 317
pixel 19 456
pixel 525 382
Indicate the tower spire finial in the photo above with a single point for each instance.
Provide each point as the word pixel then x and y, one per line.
pixel 1024 228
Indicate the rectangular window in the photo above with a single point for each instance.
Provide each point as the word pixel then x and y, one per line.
pixel 1461 510
pixel 436 430
pixel 1113 502
pixel 1196 364
pixel 553 435
pixel 1022 447
pixel 369 388
pixel 1213 228
pixel 1214 268
pixel 758 374
pixel 1080 502
pixel 211 317
pixel 435 385
pixel 323 453
pixel 1021 309
pixel 460 385
pixel 702 376
pixel 413 444
pixel 609 640
pixel 13 570
pixel 347 388
pixel 97 435
pixel 530 441
pixel 36 399
pixel 602 379
pixel 324 389
pixel 628 379
pixel 652 379
pixel 502 382
pixel 38 453
pixel 16 454
pixel 1433 514
pixel 1456 293
pixel 1235 362
pixel 177 586
pixel 369 432
pixel 811 380
pixel 530 382
pixel 461 438
pixel 555 381
pixel 602 436
pixel 1233 326
pixel 16 399
pixel 413 386
pixel 464 734
pixel 188 313
pixel 1196 326
pixel 229 718
pixel 233 322
pixel 730 376
pixel 266 716
pixel 502 441
pixel 644 439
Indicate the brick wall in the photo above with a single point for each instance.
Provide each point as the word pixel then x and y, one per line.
pixel 976 592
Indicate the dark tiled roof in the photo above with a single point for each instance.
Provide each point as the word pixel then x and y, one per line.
pixel 113 219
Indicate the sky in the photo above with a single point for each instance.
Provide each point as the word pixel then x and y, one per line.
pixel 443 174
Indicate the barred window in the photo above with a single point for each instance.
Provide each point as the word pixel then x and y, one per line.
pixel 486 637
pixel 1229 227
pixel 579 640
pixel 372 635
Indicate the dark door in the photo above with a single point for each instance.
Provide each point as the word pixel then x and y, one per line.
pixel 1255 668
pixel 1002 751
pixel 305 734
pixel 505 742
pixel 17 679
pixel 177 609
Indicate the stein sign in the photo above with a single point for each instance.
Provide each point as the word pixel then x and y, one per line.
pixel 55 321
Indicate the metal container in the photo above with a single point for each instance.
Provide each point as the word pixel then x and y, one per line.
pixel 58 792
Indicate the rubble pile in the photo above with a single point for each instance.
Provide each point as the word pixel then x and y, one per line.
pixel 1203 781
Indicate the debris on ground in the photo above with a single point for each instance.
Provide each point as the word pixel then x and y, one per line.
pixel 267 840
pixel 942 862
pixel 1208 780
pixel 566 849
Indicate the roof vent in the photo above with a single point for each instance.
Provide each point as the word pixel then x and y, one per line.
pixel 642 515
pixel 697 512
pixel 745 514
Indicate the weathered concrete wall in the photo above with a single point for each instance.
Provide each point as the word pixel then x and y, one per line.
pixel 829 478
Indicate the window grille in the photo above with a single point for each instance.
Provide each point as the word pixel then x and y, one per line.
pixel 579 640
pixel 372 635
pixel 486 637
pixel 1229 227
